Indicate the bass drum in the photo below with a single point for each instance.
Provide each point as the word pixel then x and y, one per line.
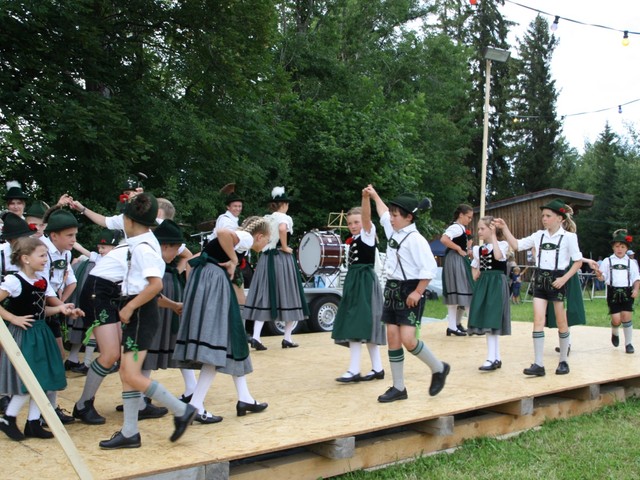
pixel 319 253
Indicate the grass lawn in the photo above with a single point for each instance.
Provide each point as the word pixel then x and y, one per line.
pixel 601 445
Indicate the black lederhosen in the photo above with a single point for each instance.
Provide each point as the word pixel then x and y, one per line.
pixel 544 278
pixel 138 333
pixel 395 310
pixel 619 298
pixel 100 300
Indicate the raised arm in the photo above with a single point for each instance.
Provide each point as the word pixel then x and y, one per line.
pixel 508 236
pixel 366 211
pixel 380 205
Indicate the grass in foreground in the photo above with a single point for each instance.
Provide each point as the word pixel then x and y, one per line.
pixel 601 445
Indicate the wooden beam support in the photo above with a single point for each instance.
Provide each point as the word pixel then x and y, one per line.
pixel 524 406
pixel 336 448
pixel 590 392
pixel 440 427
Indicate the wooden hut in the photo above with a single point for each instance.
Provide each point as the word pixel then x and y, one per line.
pixel 522 213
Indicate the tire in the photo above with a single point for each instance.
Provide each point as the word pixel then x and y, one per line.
pixel 322 315
pixel 277 327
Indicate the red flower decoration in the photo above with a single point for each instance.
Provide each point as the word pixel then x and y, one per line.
pixel 33 227
pixel 124 198
pixel 40 284
pixel 349 241
pixel 628 239
pixel 467 231
pixel 484 251
pixel 562 210
pixel 102 241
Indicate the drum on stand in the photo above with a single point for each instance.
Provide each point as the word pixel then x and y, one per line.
pixel 320 253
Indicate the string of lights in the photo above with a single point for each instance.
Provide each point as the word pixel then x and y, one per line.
pixel 557 18
pixel 522 118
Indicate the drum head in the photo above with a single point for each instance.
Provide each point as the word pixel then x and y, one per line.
pixel 310 253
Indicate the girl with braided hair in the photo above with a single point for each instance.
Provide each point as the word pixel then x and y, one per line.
pixel 211 336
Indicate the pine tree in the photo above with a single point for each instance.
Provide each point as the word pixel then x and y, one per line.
pixel 536 142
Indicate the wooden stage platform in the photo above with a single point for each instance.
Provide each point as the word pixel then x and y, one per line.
pixel 315 427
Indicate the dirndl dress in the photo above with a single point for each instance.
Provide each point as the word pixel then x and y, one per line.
pixel 457 282
pixel 276 291
pixel 359 314
pixel 490 310
pixel 161 347
pixel 37 343
pixel 211 330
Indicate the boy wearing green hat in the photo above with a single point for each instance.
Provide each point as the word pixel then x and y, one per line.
pixel 623 281
pixel 555 249
pixel 139 314
pixel 410 266
pixel 35 216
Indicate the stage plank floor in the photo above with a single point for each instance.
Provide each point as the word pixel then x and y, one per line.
pixel 307 406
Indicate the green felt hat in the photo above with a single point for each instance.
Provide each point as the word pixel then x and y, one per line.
pixel 168 232
pixel 108 237
pixel 409 203
pixel 142 209
pixel 557 206
pixel 60 220
pixel 15 227
pixel 130 183
pixel 278 195
pixel 622 236
pixel 233 197
pixel 37 209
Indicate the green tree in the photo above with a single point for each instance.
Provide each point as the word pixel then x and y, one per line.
pixel 536 134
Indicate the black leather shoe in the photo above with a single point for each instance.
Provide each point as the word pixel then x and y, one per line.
pixel 490 367
pixel 242 408
pixel 257 345
pixel 498 363
pixel 353 377
pixel 392 394
pixel 535 370
pixel 207 418
pixel 82 369
pixel 438 379
pixel 64 416
pixel 33 429
pixel 182 422
pixel 9 427
pixel 373 375
pixel 120 408
pixel 186 399
pixel 457 333
pixel 563 368
pixel 568 350
pixel 151 411
pixel 288 344
pixel 629 348
pixel 118 440
pixel 461 328
pixel 615 340
pixel 88 414
pixel 69 365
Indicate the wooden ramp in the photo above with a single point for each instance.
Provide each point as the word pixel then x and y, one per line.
pixel 315 427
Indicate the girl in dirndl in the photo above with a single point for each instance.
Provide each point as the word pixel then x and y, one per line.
pixel 211 336
pixel 358 318
pixel 25 312
pixel 490 307
pixel 456 273
pixel 276 291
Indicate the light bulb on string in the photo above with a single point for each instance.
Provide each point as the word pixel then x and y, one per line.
pixel 619 108
pixel 554 25
pixel 625 38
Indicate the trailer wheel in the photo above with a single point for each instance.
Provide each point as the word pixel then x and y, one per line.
pixel 322 315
